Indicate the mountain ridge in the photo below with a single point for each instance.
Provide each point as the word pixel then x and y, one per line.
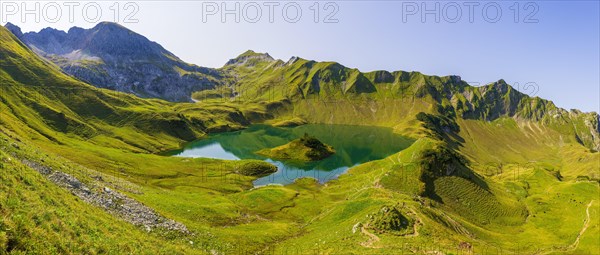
pixel 379 76
pixel 257 74
pixel 109 55
pixel 297 79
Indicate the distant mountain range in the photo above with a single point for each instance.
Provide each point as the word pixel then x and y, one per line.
pixel 114 57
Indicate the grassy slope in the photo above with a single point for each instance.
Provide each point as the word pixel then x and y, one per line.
pixel 41 106
pixel 106 131
pixel 533 145
pixel 535 213
pixel 327 92
pixel 38 217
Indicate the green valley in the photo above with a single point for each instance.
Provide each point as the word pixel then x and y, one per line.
pixel 448 168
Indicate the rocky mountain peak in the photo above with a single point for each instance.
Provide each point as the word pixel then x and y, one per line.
pixel 14 29
pixel 499 87
pixel 251 53
pixel 250 58
pixel 500 84
pixel 110 25
pixel 110 55
pixel 292 60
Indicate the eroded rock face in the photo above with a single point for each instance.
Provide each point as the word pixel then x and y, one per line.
pixel 112 201
pixel 114 57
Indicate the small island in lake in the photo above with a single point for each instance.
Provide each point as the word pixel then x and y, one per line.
pixel 255 168
pixel 306 148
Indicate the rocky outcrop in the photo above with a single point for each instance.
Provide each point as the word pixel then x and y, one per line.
pixel 110 200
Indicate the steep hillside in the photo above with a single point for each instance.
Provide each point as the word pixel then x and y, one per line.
pixel 40 105
pixel 54 105
pixel 76 154
pixel 37 216
pixel 114 57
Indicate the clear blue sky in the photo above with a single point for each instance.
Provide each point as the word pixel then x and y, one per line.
pixel 560 52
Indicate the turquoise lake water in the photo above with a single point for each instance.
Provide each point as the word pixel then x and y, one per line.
pixel 353 144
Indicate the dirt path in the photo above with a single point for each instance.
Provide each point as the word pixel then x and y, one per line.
pixel 572 247
pixel 372 238
pixel 586 224
pixel 418 222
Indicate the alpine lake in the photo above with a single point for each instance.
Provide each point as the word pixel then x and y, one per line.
pixel 354 145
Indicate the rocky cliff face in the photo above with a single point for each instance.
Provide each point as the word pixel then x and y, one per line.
pixel 114 57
